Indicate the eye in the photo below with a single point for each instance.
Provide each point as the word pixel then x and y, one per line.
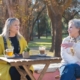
pixel 70 27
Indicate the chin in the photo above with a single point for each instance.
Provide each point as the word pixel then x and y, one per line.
pixel 70 35
pixel 15 32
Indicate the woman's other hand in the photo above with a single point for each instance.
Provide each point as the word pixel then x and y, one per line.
pixel 66 45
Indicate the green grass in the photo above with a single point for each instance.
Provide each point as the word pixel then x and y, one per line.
pixel 43 41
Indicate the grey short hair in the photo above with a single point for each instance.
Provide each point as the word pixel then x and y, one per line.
pixel 75 22
pixel 7 26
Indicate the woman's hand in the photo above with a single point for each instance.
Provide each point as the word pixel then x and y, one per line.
pixel 66 45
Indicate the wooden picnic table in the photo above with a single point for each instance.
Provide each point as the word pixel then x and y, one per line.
pixel 27 62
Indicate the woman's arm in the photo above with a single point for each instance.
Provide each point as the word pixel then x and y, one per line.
pixel 68 57
pixel 66 52
pixel 76 48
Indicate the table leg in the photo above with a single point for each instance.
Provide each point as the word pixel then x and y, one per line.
pixel 28 66
pixel 28 72
pixel 21 72
pixel 43 71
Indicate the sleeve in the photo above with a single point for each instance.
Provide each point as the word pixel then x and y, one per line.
pixel 1 45
pixel 76 48
pixel 66 56
pixel 1 52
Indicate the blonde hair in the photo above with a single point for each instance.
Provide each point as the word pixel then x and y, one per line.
pixel 7 26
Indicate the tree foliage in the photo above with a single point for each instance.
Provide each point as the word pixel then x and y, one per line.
pixel 25 11
pixel 30 13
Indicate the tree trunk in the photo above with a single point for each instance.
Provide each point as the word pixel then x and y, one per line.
pixel 34 21
pixel 24 31
pixel 50 13
pixel 52 45
pixel 38 30
pixel 58 35
pixel 57 31
pixel 55 12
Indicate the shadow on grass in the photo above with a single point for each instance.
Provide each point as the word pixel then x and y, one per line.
pixel 40 42
pixel 34 45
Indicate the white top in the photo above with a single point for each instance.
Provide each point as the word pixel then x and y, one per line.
pixel 67 54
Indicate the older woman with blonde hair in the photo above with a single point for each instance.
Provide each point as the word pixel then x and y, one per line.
pixel 11 37
pixel 70 52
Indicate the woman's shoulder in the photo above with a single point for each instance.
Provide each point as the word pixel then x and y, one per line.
pixel 22 38
pixel 66 39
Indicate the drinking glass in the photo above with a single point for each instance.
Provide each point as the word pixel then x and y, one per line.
pixel 9 51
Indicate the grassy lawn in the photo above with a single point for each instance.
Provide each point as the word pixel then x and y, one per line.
pixel 43 41
pixel 40 42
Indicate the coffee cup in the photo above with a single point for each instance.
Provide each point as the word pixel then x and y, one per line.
pixel 42 49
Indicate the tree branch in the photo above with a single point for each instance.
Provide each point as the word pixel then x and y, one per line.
pixel 70 17
pixel 34 5
pixel 37 19
pixel 39 15
pixel 76 13
pixel 54 2
pixel 66 5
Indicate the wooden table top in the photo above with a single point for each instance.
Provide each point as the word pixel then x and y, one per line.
pixel 30 59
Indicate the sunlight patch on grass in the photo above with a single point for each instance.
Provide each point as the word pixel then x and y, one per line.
pixel 41 43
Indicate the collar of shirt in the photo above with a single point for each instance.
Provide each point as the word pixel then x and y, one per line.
pixel 75 39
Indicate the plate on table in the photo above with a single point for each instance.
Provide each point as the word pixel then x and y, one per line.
pixel 9 56
pixel 42 54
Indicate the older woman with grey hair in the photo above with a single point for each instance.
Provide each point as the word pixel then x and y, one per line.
pixel 70 52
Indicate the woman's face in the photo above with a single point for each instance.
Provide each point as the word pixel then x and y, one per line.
pixel 15 27
pixel 73 31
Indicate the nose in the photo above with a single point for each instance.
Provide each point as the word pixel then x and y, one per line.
pixel 69 29
pixel 18 26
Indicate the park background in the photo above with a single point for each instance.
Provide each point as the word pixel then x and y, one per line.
pixel 43 22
